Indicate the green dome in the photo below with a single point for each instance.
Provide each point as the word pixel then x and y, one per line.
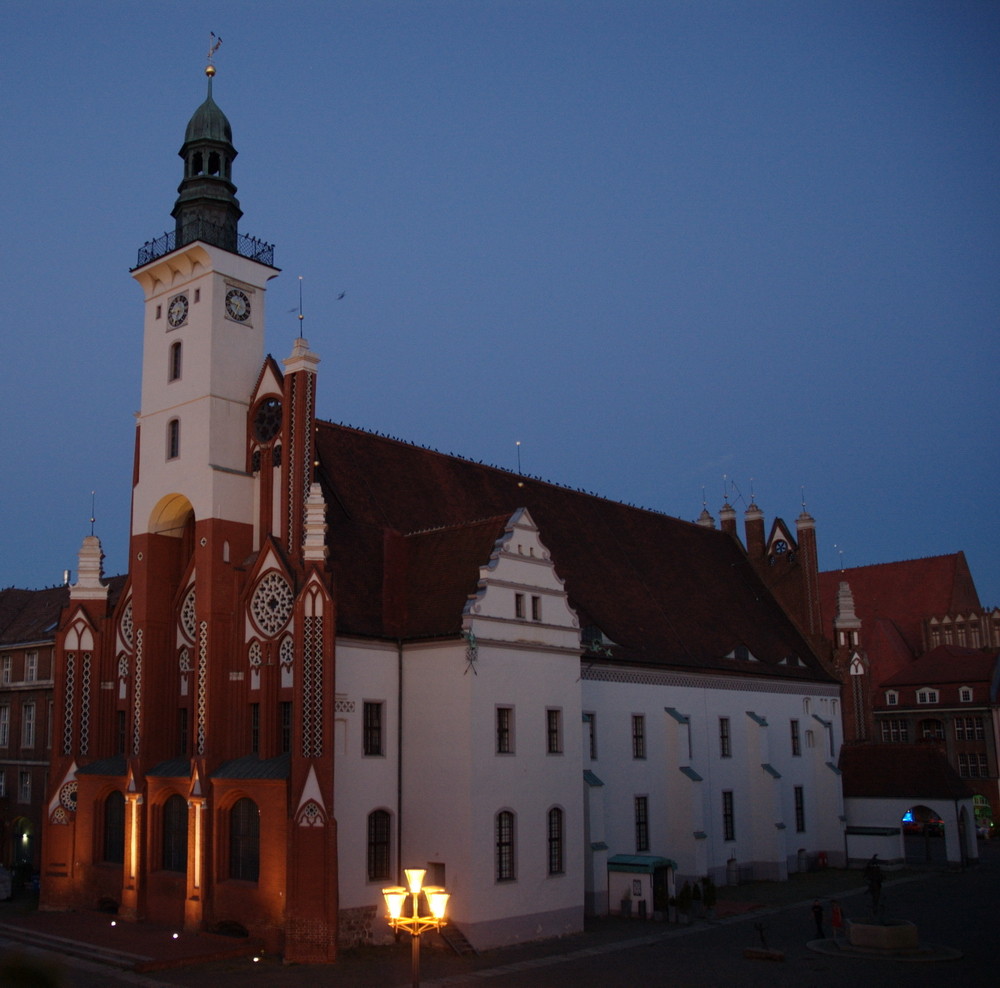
pixel 208 123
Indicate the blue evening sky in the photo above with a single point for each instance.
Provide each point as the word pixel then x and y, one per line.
pixel 658 243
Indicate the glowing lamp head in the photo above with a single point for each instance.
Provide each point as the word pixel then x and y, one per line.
pixel 394 899
pixel 415 878
pixel 437 899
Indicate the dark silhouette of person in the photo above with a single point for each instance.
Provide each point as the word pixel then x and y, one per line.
pixel 817 911
pixel 873 876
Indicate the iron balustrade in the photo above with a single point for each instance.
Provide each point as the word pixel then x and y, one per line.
pixel 209 233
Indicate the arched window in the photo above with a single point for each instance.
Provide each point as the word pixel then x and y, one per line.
pixel 175 834
pixel 244 840
pixel 379 846
pixel 173 439
pixel 114 828
pixel 175 361
pixel 505 870
pixel 556 841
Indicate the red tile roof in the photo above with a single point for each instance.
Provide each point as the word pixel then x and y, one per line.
pixel 904 593
pixel 907 771
pixel 30 615
pixel 947 664
pixel 409 528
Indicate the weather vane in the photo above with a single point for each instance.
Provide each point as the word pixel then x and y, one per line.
pixel 213 47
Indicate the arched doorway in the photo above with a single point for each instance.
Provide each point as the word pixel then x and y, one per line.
pixel 923 836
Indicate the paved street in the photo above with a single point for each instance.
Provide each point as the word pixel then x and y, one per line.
pixel 952 909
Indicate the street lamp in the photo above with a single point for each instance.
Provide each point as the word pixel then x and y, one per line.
pixel 415 924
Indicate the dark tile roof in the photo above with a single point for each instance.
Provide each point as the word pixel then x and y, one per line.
pixel 113 765
pixel 254 767
pixel 947 664
pixel 666 591
pixel 174 768
pixel 906 771
pixel 32 615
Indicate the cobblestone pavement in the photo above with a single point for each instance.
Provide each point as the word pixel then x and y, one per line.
pixel 956 909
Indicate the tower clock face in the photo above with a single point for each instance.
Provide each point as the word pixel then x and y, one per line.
pixel 237 305
pixel 177 310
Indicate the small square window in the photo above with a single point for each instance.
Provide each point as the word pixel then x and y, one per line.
pixel 892 698
pixel 965 694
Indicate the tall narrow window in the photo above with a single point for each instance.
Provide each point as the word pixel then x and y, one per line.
pixel 536 608
pixel 30 667
pixel 638 736
pixel 800 810
pixel 4 726
pixel 641 823
pixel 6 669
pixel 28 725
pixel 505 846
pixel 725 744
pixel 24 786
pixel 728 817
pixel 244 840
pixel 379 835
pixel 114 828
pixel 590 722
pixel 285 726
pixel 519 605
pixel 175 834
pixel 175 361
pixel 505 730
pixel 173 439
pixel 373 729
pixel 555 841
pixel 255 728
pixel 796 738
pixel 553 732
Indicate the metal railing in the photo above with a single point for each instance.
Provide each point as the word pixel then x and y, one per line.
pixel 217 236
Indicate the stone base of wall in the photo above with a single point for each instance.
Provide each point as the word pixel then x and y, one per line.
pixel 357 927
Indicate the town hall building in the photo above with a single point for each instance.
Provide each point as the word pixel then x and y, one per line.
pixel 336 655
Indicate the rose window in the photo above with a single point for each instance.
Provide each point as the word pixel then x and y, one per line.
pixel 271 605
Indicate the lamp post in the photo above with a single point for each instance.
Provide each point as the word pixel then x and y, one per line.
pixel 415 924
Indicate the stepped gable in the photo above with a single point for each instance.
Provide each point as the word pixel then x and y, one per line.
pixel 667 592
pixel 903 592
pixel 905 771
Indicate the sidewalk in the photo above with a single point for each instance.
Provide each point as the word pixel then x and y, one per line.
pixel 203 959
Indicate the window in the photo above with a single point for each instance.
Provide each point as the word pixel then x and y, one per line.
pixel 966 728
pixel 173 439
pixel 728 817
pixel 379 831
pixel 175 834
pixel 505 730
pixel 505 846
pixel 3 782
pixel 800 810
pixel 927 696
pixel 796 738
pixel 931 730
pixel 373 728
pixel 553 732
pixel 114 828
pixel 638 736
pixel 28 726
pixel 641 823
pixel 810 739
pixel 244 840
pixel 891 698
pixel 24 786
pixel 285 726
pixel 30 667
pixel 965 694
pixel 895 730
pixel 519 605
pixel 973 765
pixel 4 726
pixel 175 362
pixel 555 841
pixel 255 728
pixel 536 608
pixel 5 669
pixel 590 720
pixel 725 744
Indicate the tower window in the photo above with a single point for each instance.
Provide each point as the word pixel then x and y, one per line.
pixel 173 439
pixel 175 361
